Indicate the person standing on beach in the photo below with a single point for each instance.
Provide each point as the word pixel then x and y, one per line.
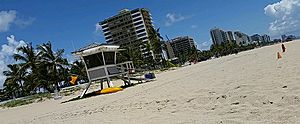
pixel 283 48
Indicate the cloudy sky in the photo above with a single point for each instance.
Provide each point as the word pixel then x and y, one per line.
pixel 72 24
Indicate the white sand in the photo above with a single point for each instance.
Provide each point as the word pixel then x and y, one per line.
pixel 242 88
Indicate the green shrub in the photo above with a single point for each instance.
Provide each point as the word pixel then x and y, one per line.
pixel 27 100
pixel 170 64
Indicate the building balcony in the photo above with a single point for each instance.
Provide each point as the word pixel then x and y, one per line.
pixel 107 34
pixel 140 15
pixel 139 25
pixel 104 28
pixel 104 24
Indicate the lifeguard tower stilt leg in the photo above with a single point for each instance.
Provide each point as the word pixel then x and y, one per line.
pixel 85 90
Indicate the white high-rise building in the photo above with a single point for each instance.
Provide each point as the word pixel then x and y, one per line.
pixel 218 36
pixel 129 29
pixel 229 36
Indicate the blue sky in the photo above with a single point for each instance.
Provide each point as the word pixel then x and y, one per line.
pixel 64 22
pixel 71 24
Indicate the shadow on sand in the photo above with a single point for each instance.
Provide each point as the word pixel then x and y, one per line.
pixel 97 94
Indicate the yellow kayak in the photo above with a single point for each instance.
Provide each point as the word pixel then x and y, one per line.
pixel 109 90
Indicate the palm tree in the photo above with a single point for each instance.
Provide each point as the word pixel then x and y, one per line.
pixel 28 57
pixel 10 88
pixel 156 45
pixel 78 68
pixel 155 40
pixel 14 78
pixel 131 54
pixel 29 61
pixel 64 75
pixel 193 54
pixel 53 61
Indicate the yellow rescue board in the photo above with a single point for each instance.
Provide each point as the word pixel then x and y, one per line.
pixel 110 90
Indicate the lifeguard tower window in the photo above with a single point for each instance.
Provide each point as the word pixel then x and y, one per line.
pixel 93 60
pixel 109 58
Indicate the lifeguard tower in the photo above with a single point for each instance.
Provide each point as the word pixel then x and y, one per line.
pixel 101 64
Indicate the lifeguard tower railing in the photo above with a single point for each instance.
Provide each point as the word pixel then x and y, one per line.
pixel 107 71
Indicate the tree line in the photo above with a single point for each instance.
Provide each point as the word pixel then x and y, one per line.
pixel 227 48
pixel 39 69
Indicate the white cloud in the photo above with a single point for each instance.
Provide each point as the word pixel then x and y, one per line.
pixel 97 34
pixel 173 18
pixel 6 19
pixel 286 16
pixel 97 28
pixel 194 26
pixel 22 23
pixel 7 50
pixel 205 45
pixel 9 18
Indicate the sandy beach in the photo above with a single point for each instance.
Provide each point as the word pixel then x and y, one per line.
pixel 249 87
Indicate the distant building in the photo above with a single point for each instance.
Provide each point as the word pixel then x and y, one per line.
pixel 266 38
pixel 289 37
pixel 229 36
pixel 261 39
pixel 257 38
pixel 242 38
pixel 129 28
pixel 182 45
pixel 218 36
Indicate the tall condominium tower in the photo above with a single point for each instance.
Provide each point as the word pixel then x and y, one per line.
pixel 129 28
pixel 229 37
pixel 219 36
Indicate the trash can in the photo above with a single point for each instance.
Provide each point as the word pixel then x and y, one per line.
pixel 150 76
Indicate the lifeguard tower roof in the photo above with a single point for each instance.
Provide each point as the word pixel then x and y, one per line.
pixel 96 48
